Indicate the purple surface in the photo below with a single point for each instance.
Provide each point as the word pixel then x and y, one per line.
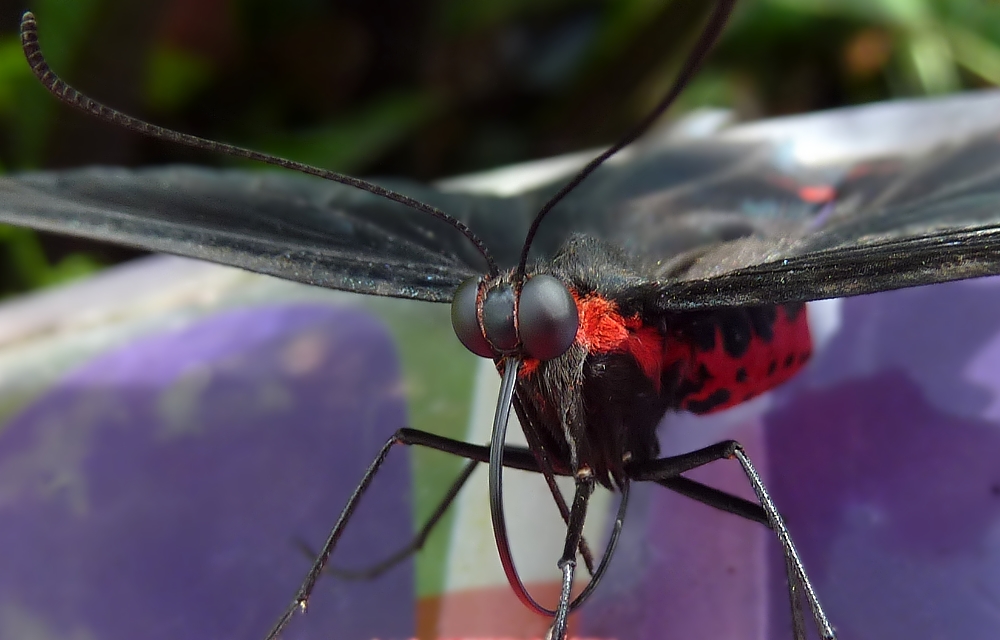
pixel 906 530
pixel 884 457
pixel 156 492
pixel 143 501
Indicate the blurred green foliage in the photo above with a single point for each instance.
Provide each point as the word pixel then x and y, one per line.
pixel 433 88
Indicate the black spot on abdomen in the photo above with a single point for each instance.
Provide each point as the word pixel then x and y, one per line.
pixel 718 397
pixel 736 331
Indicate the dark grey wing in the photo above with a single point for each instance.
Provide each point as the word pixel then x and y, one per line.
pixel 895 223
pixel 729 219
pixel 281 224
pixel 707 183
pixel 323 233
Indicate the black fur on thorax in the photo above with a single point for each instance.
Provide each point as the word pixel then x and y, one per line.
pixel 595 410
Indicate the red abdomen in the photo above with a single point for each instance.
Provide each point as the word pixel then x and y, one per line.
pixel 717 359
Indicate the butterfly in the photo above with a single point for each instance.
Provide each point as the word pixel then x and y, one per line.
pixel 722 285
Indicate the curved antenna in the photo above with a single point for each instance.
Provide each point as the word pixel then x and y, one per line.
pixel 709 35
pixel 74 98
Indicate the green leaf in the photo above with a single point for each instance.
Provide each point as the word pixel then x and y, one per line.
pixel 175 77
pixel 354 141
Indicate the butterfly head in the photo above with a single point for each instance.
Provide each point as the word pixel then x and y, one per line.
pixel 498 316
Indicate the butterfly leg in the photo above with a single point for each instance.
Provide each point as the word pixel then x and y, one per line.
pixel 716 499
pixel 567 563
pixel 514 457
pixel 673 466
pixel 523 459
pixel 413 546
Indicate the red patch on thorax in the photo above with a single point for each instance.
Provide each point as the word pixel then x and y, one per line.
pixel 764 365
pixel 604 330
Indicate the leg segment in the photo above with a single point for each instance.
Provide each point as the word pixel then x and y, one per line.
pixel 418 541
pixel 567 563
pixel 716 499
pixel 672 467
pixel 516 457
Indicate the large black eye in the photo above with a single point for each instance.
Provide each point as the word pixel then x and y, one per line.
pixel 498 318
pixel 547 318
pixel 464 320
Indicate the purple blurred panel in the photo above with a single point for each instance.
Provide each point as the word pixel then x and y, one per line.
pixel 888 466
pixel 685 570
pixel 931 334
pixel 158 492
pixel 884 456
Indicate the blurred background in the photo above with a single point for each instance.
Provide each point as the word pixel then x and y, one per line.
pixel 430 89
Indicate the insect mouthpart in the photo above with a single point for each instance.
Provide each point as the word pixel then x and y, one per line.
pixel 491 319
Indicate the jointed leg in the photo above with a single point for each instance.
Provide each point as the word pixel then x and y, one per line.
pixel 672 467
pixel 523 459
pixel 514 457
pixel 548 472
pixel 716 499
pixel 567 563
pixel 412 547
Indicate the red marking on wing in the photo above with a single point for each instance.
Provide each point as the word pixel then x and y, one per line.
pixel 604 330
pixel 812 193
pixel 817 194
pixel 721 381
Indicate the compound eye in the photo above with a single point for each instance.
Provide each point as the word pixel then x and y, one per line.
pixel 465 321
pixel 547 317
pixel 498 318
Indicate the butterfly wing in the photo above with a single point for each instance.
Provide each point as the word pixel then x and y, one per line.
pixel 725 220
pixel 895 223
pixel 323 233
pixel 280 224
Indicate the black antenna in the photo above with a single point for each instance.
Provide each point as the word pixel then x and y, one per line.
pixel 709 36
pixel 74 98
